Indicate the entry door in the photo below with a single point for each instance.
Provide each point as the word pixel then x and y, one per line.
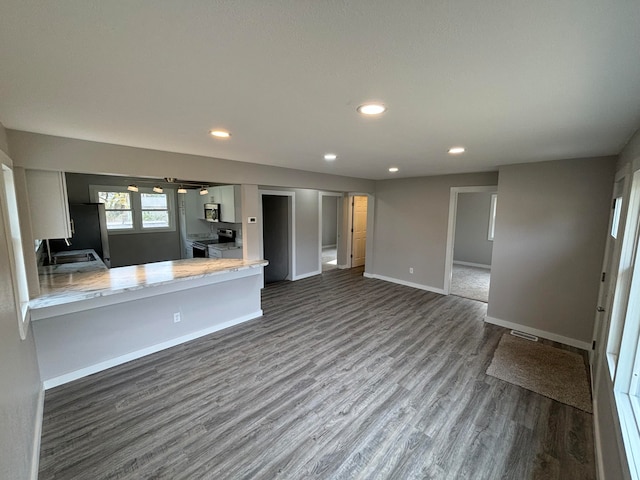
pixel 609 278
pixel 359 241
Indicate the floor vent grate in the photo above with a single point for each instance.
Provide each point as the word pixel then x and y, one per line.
pixel 526 336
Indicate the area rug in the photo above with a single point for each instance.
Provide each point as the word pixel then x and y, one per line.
pixel 558 374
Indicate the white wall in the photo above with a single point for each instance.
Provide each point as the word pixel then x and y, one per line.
pixel 410 227
pixel 19 377
pixel 549 243
pixel 472 228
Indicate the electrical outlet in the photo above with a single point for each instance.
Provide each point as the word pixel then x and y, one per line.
pixel 252 220
pixel 411 270
pixel 177 317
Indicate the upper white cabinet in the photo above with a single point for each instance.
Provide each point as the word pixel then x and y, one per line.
pixel 228 196
pixel 48 204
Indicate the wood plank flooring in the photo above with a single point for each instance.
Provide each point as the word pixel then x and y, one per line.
pixel 344 377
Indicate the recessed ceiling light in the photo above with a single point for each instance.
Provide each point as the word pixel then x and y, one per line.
pixel 393 169
pixel 456 150
pixel 330 156
pixel 371 109
pixel 220 133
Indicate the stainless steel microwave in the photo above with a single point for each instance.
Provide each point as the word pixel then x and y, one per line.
pixel 212 212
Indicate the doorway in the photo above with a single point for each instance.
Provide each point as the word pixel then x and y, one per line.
pixel 330 215
pixel 277 235
pixel 359 230
pixel 470 243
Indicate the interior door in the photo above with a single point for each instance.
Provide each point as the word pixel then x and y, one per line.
pixel 359 242
pixel 275 237
pixel 609 278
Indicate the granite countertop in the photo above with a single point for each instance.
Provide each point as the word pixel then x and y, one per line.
pixel 61 287
pixel 224 246
pixel 76 267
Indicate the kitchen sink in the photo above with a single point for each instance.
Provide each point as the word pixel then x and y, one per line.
pixel 73 258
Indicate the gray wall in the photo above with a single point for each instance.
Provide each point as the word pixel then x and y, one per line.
pixel 329 220
pixel 46 152
pixel 472 228
pixel 551 227
pixel 19 375
pixel 127 249
pixel 410 226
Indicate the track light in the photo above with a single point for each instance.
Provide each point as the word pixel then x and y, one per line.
pixel 132 188
pixel 182 189
pixel 157 189
pixel 204 191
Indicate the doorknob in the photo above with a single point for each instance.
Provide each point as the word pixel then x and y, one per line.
pixel 600 309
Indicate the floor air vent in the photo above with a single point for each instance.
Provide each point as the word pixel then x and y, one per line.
pixel 526 336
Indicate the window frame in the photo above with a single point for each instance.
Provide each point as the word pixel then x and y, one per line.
pixel 13 238
pixel 492 217
pixel 137 210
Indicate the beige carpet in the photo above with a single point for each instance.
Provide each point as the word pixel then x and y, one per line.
pixel 549 371
pixel 471 282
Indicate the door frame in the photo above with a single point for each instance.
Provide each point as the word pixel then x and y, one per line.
pixel 368 261
pixel 292 227
pixel 340 197
pixel 451 230
pixel 610 266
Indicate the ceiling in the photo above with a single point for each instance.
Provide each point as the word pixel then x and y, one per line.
pixel 512 81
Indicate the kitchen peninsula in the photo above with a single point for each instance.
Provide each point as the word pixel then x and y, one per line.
pixel 88 320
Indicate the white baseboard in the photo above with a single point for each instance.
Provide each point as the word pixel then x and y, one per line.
pixel 343 267
pixel 540 333
pixel 405 283
pixel 471 264
pixel 98 367
pixel 333 245
pixel 37 435
pixel 307 275
pixel 598 443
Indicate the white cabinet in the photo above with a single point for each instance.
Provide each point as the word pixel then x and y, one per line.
pixel 48 204
pixel 228 196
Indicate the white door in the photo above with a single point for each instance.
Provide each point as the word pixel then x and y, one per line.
pixel 359 243
pixel 609 278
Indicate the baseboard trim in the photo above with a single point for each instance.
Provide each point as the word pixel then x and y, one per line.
pixel 98 367
pixel 37 435
pixel 333 245
pixel 471 264
pixel 405 283
pixel 600 475
pixel 307 275
pixel 540 333
pixel 343 267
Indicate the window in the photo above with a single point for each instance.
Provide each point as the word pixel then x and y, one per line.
pixel 136 212
pixel 13 237
pixel 117 206
pixel 492 216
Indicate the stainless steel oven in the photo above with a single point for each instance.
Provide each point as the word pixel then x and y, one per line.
pixel 201 247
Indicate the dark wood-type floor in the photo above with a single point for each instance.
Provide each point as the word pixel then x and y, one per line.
pixel 344 377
